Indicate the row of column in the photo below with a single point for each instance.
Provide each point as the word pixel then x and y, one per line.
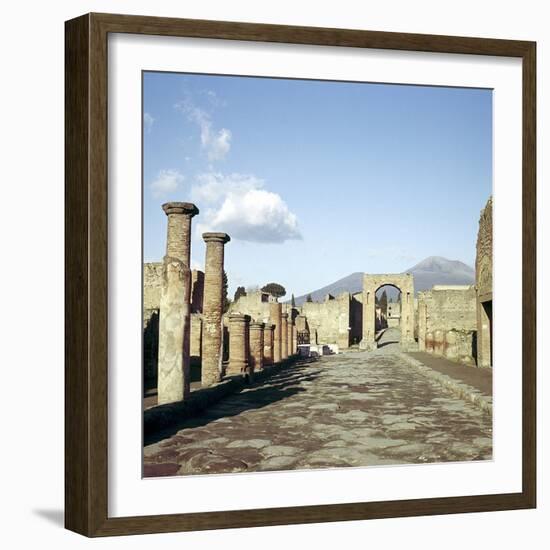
pixel 253 345
pixel 174 322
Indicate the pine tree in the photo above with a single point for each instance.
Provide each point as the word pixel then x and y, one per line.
pixel 292 301
pixel 226 300
pixel 309 298
pixel 384 302
pixel 239 292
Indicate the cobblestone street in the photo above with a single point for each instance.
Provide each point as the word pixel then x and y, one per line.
pixel 352 409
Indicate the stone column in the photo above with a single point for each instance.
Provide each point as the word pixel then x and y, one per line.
pixel 212 308
pixel 275 311
pixel 268 344
pixel 294 339
pixel 174 323
pixel 238 344
pixel 290 340
pixel 256 352
pixel 284 336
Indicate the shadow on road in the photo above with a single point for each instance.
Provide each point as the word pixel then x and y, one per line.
pixel 280 386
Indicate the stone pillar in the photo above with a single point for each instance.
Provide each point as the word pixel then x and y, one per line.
pixel 284 336
pixel 174 323
pixel 275 311
pixel 256 352
pixel 238 344
pixel 294 340
pixel 290 339
pixel 212 308
pixel 268 344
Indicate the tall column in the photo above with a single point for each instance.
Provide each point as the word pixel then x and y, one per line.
pixel 294 340
pixel 256 352
pixel 284 336
pixel 290 337
pixel 238 344
pixel 268 344
pixel 174 322
pixel 212 308
pixel 275 310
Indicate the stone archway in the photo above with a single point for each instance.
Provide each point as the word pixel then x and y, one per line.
pixel 403 282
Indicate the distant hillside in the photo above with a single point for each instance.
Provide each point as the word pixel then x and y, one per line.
pixel 434 270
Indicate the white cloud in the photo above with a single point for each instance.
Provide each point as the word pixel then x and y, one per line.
pixel 148 121
pixel 214 187
pixel 216 143
pixel 166 182
pixel 240 206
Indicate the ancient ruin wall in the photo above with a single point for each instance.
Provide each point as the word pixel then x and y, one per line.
pixel 152 285
pixel 255 304
pixel 484 253
pixel 449 307
pixel 484 285
pixel 330 319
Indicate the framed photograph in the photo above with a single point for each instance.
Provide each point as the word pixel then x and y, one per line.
pixel 300 274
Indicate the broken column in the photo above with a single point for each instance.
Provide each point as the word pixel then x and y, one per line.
pixel 174 322
pixel 238 344
pixel 212 308
pixel 275 310
pixel 284 336
pixel 256 351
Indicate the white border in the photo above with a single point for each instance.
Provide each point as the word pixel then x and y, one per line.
pixel 128 493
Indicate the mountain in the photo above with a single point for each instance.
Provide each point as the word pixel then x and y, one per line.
pixel 431 271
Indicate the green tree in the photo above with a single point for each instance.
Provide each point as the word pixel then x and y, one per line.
pixel 309 298
pixel 275 289
pixel 293 301
pixel 226 300
pixel 239 292
pixel 384 302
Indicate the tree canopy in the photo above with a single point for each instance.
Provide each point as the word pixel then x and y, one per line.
pixel 275 289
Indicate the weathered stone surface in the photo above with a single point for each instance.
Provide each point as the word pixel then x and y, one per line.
pixel 212 333
pixel 256 348
pixel 174 323
pixel 405 283
pixel 238 344
pixel 484 283
pixel 275 312
pixel 300 418
pixel 284 336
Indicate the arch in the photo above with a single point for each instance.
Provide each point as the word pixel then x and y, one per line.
pixel 404 282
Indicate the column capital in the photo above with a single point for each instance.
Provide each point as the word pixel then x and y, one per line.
pixel 239 318
pixel 284 315
pixel 216 237
pixel 186 208
pixel 257 325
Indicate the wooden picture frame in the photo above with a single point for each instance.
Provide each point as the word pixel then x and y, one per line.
pixel 86 283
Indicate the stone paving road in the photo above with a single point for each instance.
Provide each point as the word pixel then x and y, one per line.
pixel 353 409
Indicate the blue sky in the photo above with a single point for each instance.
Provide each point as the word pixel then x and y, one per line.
pixel 314 180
